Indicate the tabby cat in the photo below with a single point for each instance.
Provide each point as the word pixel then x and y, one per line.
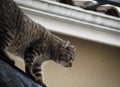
pixel 23 37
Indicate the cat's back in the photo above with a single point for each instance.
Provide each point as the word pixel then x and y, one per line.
pixel 5 2
pixel 11 18
pixel 1 1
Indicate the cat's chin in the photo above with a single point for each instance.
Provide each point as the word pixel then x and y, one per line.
pixel 67 65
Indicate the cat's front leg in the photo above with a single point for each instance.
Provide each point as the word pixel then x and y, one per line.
pixel 37 71
pixel 28 66
pixel 34 70
pixel 28 70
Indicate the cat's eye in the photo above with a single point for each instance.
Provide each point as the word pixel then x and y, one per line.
pixel 68 48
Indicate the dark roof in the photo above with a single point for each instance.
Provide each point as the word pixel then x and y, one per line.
pixel 104 6
pixel 12 76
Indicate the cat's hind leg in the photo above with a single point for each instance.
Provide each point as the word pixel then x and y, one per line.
pixel 5 57
pixel 7 30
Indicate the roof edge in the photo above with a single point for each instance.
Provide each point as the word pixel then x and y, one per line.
pixel 72 12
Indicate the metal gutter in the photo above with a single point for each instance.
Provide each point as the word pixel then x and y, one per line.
pixel 89 25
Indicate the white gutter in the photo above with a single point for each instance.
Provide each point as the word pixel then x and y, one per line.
pixel 73 21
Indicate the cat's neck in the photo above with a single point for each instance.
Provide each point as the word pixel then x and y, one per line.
pixel 55 46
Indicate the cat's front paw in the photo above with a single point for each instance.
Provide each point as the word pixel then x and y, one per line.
pixel 43 85
pixel 39 80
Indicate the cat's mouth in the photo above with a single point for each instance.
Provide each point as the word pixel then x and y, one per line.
pixel 67 65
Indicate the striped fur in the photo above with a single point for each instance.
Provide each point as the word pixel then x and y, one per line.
pixel 23 37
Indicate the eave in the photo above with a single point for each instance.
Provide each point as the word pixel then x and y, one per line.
pixel 73 21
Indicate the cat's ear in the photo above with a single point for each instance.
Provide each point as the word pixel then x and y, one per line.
pixel 73 47
pixel 65 44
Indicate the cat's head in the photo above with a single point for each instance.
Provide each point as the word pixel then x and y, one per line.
pixel 66 54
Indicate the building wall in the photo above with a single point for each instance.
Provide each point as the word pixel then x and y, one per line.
pixel 95 65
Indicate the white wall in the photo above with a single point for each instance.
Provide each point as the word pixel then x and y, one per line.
pixel 96 65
